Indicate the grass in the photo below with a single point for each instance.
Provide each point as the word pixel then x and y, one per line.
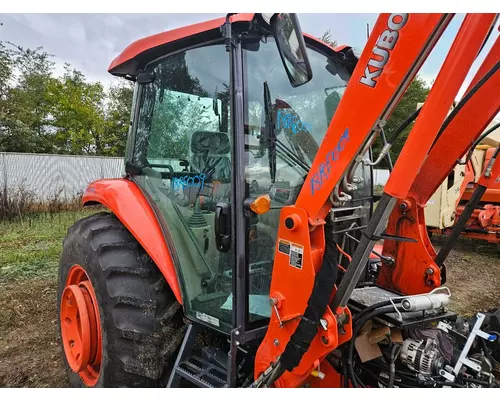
pixel 32 247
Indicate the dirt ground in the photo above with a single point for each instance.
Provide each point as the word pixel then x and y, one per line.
pixel 31 356
pixel 30 353
pixel 473 275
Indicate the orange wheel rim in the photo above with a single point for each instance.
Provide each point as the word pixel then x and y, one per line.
pixel 80 326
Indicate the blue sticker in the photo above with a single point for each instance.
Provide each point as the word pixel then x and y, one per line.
pixel 320 177
pixel 287 120
pixel 189 181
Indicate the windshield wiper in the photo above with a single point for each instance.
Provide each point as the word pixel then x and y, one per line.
pixel 292 156
pixel 270 132
pixel 273 140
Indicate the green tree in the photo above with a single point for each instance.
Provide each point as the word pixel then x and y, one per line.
pixel 79 114
pixel 5 78
pixel 5 69
pixel 327 38
pixel 175 117
pixel 416 93
pixel 119 104
pixel 26 123
pixel 40 112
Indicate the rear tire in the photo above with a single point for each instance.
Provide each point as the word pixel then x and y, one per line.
pixel 141 321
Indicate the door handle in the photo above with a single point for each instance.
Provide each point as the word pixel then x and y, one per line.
pixel 222 226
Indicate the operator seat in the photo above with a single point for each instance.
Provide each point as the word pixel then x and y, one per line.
pixel 210 155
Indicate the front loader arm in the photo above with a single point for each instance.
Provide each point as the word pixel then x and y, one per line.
pixel 415 269
pixel 396 49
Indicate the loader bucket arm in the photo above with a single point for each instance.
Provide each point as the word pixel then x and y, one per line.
pixel 396 49
pixel 416 270
pixel 462 54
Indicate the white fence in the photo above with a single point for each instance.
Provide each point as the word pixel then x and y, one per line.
pixel 48 175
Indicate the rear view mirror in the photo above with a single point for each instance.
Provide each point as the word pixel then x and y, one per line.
pixel 292 48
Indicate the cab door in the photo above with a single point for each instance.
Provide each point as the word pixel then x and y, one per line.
pixel 182 148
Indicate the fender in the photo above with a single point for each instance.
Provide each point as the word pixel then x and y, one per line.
pixel 129 204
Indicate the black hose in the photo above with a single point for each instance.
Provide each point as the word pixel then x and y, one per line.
pixel 348 357
pixel 403 126
pixel 479 140
pixel 359 324
pixel 307 329
pixel 465 99
pixel 382 380
pixel 488 35
pixel 392 365
pixel 275 374
pixel 479 382
pixel 495 154
pixel 370 308
pixel 345 372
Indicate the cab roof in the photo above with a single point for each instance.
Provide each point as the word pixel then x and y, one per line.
pixel 142 51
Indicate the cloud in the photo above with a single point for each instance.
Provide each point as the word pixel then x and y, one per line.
pixel 89 42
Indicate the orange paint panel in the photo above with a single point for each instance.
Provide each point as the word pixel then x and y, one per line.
pixel 465 128
pixel 127 202
pixel 395 44
pixel 332 378
pixel 292 286
pixel 404 41
pixel 415 271
pixel 147 43
pixel 462 54
pixel 150 42
pixel 490 59
pixel 490 196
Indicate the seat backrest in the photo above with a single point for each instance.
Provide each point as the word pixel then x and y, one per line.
pixel 210 154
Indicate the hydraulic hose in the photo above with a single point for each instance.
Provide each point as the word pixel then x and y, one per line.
pixel 479 140
pixel 370 308
pixel 392 366
pixel 465 99
pixel 316 306
pixel 359 324
pixel 403 126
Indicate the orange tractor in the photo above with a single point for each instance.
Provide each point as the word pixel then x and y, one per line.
pixel 449 201
pixel 240 248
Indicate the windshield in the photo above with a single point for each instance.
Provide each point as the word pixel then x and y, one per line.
pixel 299 116
pixel 284 127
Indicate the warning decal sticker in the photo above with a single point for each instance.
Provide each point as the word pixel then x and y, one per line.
pixel 284 247
pixel 207 318
pixel 294 251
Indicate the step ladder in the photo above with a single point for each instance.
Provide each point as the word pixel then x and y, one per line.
pixel 204 372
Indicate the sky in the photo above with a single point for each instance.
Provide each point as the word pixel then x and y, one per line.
pixel 89 42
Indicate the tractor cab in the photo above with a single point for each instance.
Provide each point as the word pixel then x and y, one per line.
pixel 228 116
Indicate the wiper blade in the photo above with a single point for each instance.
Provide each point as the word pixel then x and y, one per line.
pixel 273 140
pixel 271 132
pixel 292 156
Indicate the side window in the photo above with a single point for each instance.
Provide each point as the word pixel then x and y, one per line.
pixel 184 112
pixel 183 150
